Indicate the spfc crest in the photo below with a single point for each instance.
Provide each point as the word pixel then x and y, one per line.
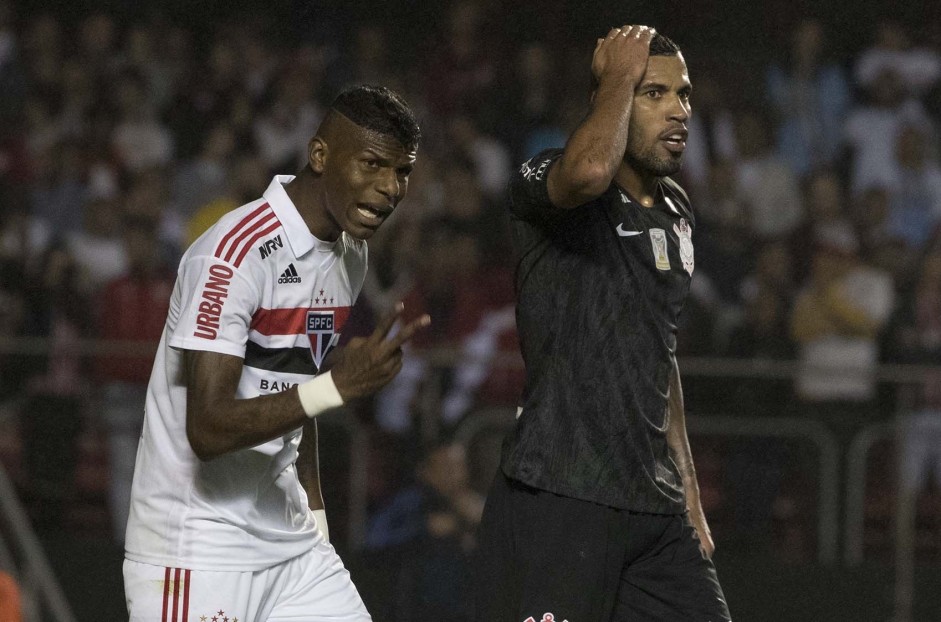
pixel 686 244
pixel 321 330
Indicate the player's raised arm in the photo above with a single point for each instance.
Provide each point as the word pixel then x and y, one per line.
pixel 595 149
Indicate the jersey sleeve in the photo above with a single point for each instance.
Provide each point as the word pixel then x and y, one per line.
pixel 529 190
pixel 217 302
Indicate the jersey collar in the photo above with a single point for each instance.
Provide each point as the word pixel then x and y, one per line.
pixel 299 236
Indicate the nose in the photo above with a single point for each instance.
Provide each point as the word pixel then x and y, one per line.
pixel 680 110
pixel 388 185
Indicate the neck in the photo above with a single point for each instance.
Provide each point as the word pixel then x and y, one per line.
pixel 307 193
pixel 642 187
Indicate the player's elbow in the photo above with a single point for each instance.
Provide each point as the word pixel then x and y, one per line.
pixel 581 183
pixel 202 441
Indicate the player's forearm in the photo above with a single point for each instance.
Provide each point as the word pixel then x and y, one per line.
pixel 677 440
pixel 595 149
pixel 229 424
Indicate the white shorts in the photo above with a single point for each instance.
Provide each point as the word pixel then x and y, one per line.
pixel 312 587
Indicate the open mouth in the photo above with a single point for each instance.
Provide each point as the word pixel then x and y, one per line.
pixel 675 142
pixel 371 215
pixel 675 139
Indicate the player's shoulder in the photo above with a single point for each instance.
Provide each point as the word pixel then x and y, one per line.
pixel 537 167
pixel 234 237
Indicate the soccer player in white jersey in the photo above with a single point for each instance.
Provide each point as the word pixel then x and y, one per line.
pixel 227 520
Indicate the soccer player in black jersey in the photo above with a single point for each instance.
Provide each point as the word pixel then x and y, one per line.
pixel 595 513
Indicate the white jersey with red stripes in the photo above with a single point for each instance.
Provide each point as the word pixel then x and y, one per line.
pixel 260 286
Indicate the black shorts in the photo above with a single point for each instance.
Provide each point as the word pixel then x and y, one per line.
pixel 547 558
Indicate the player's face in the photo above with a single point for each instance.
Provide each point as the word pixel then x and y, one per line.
pixel 657 132
pixel 366 175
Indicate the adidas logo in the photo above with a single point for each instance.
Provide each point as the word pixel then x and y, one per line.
pixel 289 275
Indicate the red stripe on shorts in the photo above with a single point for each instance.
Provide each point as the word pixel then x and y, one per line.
pixel 176 594
pixel 186 595
pixel 166 594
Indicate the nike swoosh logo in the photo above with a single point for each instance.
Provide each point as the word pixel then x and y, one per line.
pixel 626 234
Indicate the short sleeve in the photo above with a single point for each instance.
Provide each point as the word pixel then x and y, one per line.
pixel 529 190
pixel 216 306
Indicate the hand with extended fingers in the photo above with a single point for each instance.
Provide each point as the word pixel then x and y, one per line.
pixel 622 54
pixel 367 364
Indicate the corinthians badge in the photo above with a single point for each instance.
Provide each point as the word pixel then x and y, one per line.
pixel 686 244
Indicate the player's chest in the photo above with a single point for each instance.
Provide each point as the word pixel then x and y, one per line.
pixel 317 280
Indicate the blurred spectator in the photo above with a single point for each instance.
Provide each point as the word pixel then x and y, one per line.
pixel 773 271
pixel 463 71
pixel 766 183
pixel 918 68
pixel 432 524
pixel 23 237
pixel 711 133
pixel 488 157
pixel 825 206
pixel 837 319
pixel 871 131
pixel 96 248
pixel 140 140
pixel 915 338
pixel 915 201
pixel 131 313
pixel 12 76
pixel 284 129
pixel 52 415
pixel 60 188
pixel 529 103
pixel 207 91
pixel 97 39
pixel 810 97
pixel 205 177
pixel 369 62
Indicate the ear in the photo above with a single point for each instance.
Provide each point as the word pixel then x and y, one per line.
pixel 317 151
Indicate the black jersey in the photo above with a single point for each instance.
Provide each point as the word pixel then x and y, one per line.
pixel 599 290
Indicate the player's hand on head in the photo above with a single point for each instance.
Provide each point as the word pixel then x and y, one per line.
pixel 622 54
pixel 367 364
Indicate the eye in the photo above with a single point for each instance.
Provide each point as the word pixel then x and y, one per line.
pixel 654 94
pixel 371 163
pixel 403 171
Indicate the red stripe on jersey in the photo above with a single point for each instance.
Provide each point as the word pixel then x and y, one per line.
pixel 186 596
pixel 248 245
pixel 176 594
pixel 292 321
pixel 166 594
pixel 237 228
pixel 247 232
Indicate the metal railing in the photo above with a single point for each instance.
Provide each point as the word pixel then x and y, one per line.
pixel 33 572
pixel 783 428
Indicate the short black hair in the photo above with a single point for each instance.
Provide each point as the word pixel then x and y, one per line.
pixel 661 45
pixel 379 109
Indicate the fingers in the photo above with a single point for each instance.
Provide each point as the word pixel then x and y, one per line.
pixel 386 323
pixel 408 331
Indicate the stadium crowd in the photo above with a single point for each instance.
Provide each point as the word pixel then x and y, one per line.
pixel 818 238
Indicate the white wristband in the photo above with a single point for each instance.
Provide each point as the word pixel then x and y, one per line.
pixel 321 517
pixel 319 395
